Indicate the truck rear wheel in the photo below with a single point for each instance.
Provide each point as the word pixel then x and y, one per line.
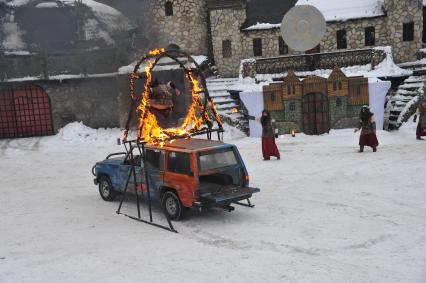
pixel 172 206
pixel 105 189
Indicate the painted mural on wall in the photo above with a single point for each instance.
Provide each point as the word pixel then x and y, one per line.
pixel 314 104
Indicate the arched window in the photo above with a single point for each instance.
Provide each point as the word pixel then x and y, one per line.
pixel 168 7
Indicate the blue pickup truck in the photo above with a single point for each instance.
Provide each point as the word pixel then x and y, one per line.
pixel 182 174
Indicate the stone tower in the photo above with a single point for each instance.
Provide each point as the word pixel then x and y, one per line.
pixel 182 22
pixel 403 16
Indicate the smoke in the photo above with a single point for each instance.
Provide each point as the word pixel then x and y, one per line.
pixel 145 35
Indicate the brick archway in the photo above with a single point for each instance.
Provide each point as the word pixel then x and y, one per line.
pixel 316 116
pixel 25 111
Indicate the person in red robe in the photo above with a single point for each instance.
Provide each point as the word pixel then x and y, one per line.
pixel 367 125
pixel 421 126
pixel 269 147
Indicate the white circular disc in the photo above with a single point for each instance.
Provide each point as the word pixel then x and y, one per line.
pixel 303 27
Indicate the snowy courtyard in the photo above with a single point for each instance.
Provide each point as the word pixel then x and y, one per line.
pixel 325 213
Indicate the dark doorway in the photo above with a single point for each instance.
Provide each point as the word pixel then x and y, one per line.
pixel 25 111
pixel 424 24
pixel 316 119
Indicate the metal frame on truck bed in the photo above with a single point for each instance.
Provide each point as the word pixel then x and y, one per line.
pixel 141 146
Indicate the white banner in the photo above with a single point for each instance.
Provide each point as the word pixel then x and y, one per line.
pixel 377 94
pixel 253 101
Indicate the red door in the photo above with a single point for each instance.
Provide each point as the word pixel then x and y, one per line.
pixel 25 112
pixel 316 119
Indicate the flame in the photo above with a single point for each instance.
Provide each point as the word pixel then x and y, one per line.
pixel 293 132
pixel 234 110
pixel 148 128
pixel 157 51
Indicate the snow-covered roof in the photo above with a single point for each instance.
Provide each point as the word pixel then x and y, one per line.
pixel 21 19
pixel 262 26
pixel 342 10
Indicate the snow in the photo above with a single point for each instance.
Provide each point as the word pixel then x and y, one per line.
pixel 113 18
pixel 47 5
pixel 63 77
pixel 200 59
pixel 388 68
pixel 105 22
pixel 407 108
pixel 12 36
pixel 93 31
pixel 163 64
pixel 17 53
pixel 414 63
pixel 262 26
pixel 342 10
pixel 325 213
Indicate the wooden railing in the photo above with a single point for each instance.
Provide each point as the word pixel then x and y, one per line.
pixel 310 62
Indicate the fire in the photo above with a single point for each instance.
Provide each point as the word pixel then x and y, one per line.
pixel 156 51
pixel 293 132
pixel 234 110
pixel 148 128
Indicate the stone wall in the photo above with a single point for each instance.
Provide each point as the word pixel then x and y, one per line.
pixel 187 27
pixel 337 112
pixel 270 45
pixel 101 102
pixel 400 12
pixel 87 62
pixel 355 33
pixel 388 31
pixel 225 25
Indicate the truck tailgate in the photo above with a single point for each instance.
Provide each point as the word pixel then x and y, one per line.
pixel 227 195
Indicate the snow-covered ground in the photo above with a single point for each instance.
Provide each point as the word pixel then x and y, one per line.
pixel 325 214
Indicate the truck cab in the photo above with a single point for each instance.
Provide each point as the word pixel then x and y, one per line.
pixel 185 173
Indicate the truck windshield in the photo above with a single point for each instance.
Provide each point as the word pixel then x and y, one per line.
pixel 217 159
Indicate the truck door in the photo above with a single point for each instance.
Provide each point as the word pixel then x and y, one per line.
pixel 155 167
pixel 125 169
pixel 180 176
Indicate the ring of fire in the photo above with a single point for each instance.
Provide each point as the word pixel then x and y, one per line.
pixel 200 113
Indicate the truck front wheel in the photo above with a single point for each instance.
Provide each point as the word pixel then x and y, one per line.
pixel 172 206
pixel 105 189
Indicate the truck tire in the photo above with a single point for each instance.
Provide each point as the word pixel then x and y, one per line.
pixel 105 189
pixel 172 206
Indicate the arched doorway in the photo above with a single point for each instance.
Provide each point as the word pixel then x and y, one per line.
pixel 25 111
pixel 316 116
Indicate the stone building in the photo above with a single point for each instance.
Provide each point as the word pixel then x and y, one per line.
pixel 232 30
pixel 314 104
pixel 181 22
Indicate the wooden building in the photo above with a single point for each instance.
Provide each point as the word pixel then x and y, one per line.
pixel 314 104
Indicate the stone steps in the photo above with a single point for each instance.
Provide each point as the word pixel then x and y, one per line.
pixel 225 103
pixel 399 105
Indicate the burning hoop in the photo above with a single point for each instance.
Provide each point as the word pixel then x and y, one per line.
pixel 200 114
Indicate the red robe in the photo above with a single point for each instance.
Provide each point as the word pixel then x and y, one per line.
pixel 269 148
pixel 420 132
